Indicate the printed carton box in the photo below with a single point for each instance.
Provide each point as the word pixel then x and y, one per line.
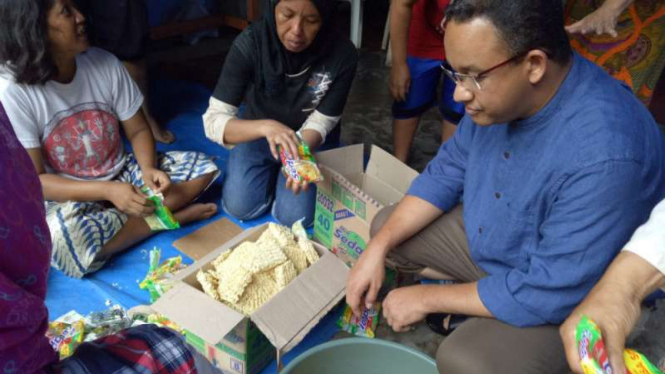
pixel 351 195
pixel 240 344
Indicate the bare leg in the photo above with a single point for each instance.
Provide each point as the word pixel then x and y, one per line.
pixel 403 132
pixel 448 130
pixel 137 70
pixel 136 229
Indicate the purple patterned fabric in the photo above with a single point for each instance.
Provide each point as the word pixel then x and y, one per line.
pixel 25 250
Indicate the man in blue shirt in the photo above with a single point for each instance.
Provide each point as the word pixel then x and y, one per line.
pixel 556 164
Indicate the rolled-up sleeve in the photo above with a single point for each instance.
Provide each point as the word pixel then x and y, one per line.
pixel 442 182
pixel 648 241
pixel 593 214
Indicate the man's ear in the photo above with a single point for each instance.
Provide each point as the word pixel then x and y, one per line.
pixel 536 65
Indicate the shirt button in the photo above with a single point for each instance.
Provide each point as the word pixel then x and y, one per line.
pixel 497 195
pixel 480 230
pixel 506 155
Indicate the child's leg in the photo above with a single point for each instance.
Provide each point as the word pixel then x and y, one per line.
pixel 422 95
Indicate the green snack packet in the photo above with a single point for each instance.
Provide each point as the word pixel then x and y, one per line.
pixel 159 278
pixel 163 218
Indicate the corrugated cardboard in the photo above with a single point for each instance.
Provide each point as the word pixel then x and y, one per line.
pixel 350 196
pixel 284 320
pixel 208 238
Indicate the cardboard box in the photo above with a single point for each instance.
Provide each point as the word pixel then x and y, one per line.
pixel 238 344
pixel 350 196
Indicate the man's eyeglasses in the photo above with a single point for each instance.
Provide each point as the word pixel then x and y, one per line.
pixel 472 81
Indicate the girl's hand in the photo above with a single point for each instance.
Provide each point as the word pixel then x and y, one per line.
pixel 156 179
pixel 129 199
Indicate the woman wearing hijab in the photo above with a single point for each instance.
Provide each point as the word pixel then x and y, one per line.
pixel 293 74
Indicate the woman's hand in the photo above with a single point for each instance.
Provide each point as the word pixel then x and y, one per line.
pixel 156 179
pixel 295 186
pixel 278 134
pixel 601 21
pixel 129 199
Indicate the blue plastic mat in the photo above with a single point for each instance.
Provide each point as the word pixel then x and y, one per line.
pixel 180 105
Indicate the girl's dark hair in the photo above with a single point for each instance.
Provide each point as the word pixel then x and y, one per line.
pixel 24 45
pixel 523 25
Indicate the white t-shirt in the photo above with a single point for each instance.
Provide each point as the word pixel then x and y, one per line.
pixel 648 241
pixel 77 124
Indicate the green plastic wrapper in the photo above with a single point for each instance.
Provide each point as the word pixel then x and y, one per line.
pixel 163 218
pixel 364 326
pixel 593 355
pixel 159 278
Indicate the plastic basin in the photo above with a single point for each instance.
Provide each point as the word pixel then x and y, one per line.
pixel 362 356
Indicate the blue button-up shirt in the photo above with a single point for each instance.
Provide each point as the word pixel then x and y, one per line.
pixel 551 199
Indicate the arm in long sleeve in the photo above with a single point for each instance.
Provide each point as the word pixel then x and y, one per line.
pixel 593 214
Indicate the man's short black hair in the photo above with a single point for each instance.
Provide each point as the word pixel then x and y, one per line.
pixel 523 25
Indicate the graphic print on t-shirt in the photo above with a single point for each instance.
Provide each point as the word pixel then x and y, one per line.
pixel 318 85
pixel 84 142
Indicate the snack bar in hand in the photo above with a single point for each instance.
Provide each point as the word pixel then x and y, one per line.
pixel 251 274
pixel 162 219
pixel 303 169
pixel 593 355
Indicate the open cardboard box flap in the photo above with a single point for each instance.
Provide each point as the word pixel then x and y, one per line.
pixel 392 172
pixel 346 160
pixel 284 320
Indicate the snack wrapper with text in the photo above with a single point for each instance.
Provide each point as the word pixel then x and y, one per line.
pixel 593 355
pixel 303 169
pixel 365 325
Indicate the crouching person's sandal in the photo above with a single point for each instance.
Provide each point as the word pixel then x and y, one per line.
pixel 444 323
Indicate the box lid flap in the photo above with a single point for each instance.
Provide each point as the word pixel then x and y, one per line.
pixel 197 312
pixel 291 314
pixel 385 167
pixel 345 160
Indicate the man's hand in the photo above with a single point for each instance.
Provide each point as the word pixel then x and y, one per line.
pixel 129 199
pixel 601 21
pixel 614 304
pixel 404 307
pixel 400 80
pixel 365 280
pixel 156 179
pixel 278 134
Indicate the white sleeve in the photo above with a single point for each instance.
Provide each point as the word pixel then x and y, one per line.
pixel 321 123
pixel 127 97
pixel 215 119
pixel 22 116
pixel 648 241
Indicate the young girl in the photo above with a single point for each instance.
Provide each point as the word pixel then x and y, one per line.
pixel 68 103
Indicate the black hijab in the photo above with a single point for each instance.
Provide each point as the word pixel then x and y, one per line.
pixel 274 61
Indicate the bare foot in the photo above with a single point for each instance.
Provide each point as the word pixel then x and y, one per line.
pixel 161 135
pixel 195 212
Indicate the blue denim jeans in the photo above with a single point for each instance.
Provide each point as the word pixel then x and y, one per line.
pixel 254 183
